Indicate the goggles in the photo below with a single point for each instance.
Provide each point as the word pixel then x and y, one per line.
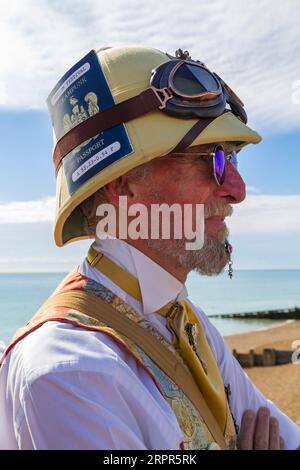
pixel 218 160
pixel 180 87
pixel 192 90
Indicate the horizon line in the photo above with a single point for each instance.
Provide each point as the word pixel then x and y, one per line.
pixel 224 272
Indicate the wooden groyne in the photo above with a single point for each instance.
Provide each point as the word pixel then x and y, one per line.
pixel 278 314
pixel 269 357
pixel 267 348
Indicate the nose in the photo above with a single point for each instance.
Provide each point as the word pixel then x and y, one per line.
pixel 233 189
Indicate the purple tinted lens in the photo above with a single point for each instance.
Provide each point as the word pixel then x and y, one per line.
pixel 219 168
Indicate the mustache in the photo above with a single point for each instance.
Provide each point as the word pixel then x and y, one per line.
pixel 217 209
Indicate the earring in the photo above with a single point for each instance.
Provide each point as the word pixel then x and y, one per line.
pixel 228 248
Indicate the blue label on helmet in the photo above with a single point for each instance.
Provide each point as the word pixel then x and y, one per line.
pixel 81 93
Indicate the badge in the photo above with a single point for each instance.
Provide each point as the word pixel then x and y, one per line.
pixel 81 93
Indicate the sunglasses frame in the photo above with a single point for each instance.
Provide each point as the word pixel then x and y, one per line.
pixel 227 157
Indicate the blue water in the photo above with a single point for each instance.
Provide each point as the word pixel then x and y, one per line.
pixel 247 291
pixel 21 294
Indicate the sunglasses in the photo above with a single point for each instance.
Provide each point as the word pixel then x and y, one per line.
pixel 218 160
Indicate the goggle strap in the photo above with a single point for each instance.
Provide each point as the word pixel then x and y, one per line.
pixel 148 100
pixel 192 134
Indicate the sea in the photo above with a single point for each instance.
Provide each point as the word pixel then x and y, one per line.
pixel 249 290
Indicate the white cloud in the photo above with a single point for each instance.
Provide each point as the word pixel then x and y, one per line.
pixel 253 189
pixel 267 215
pixel 23 212
pixel 252 45
pixel 30 248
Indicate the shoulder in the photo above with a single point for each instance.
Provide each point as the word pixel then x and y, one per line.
pixel 60 347
pixel 83 382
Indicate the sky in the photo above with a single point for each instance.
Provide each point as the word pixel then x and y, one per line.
pixel 254 46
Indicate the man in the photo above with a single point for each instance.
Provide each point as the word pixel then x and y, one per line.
pixel 77 376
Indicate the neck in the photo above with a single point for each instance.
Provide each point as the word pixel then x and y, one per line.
pixel 166 262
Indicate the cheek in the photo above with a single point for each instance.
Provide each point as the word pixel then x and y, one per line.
pixel 186 186
pixel 195 189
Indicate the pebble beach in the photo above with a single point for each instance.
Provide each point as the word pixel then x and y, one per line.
pixel 280 383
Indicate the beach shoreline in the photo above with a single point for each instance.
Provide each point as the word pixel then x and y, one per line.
pixel 276 325
pixel 279 336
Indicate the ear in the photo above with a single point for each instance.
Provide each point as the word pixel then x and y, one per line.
pixel 118 187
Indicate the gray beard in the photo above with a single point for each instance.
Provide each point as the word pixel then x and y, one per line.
pixel 210 260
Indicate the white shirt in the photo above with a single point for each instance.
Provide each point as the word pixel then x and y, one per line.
pixel 63 387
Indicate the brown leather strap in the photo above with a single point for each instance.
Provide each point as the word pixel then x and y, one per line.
pixel 149 100
pixel 192 134
pixel 96 308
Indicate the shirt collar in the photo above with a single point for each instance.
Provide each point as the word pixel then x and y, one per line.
pixel 158 287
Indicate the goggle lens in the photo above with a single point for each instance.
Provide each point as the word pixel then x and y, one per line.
pixel 193 80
